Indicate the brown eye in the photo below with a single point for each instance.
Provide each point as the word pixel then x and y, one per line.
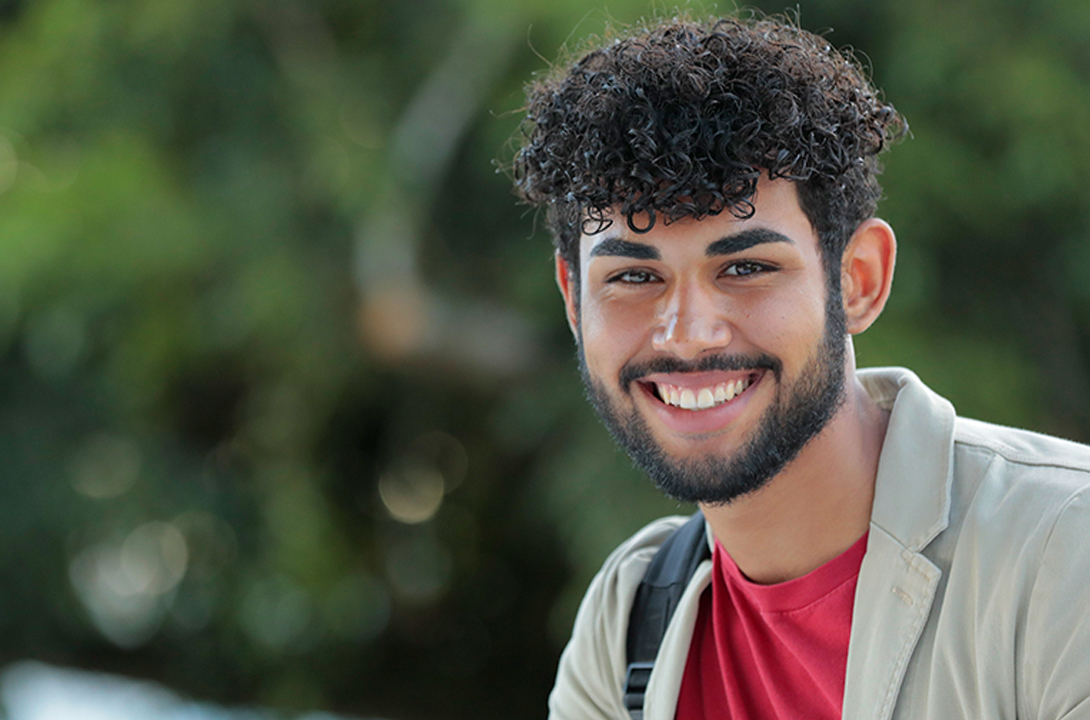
pixel 633 277
pixel 745 267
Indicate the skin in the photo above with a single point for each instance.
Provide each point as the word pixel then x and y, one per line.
pixel 729 286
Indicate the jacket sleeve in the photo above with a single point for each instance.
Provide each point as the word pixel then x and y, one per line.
pixel 1056 667
pixel 592 668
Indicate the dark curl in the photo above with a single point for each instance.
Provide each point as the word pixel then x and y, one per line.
pixel 679 118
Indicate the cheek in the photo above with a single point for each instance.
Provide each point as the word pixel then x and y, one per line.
pixel 781 320
pixel 613 329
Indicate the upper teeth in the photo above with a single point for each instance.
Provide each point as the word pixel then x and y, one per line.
pixel 701 398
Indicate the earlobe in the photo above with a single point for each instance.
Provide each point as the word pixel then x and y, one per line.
pixel 867 273
pixel 569 287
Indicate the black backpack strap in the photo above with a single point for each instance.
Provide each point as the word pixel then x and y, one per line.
pixel 656 599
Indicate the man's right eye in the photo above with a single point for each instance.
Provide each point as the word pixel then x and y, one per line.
pixel 633 277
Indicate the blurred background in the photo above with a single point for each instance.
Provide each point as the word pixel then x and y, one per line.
pixel 289 416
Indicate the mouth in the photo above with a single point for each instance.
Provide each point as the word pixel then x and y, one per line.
pixel 698 397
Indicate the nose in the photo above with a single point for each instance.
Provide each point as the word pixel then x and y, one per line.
pixel 690 322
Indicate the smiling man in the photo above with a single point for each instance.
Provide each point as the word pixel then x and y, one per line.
pixel 711 189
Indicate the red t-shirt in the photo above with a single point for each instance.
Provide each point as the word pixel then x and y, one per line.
pixel 764 652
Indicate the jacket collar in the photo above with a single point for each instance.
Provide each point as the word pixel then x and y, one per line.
pixel 915 470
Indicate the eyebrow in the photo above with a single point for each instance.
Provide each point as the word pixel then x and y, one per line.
pixel 625 248
pixel 616 247
pixel 745 240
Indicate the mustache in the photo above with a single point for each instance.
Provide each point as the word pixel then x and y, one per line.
pixel 632 372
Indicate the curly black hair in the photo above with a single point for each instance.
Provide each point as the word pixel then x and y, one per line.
pixel 679 118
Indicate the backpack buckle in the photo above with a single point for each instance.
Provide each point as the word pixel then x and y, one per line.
pixel 635 687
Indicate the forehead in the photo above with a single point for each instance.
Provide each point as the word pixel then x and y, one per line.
pixel 776 213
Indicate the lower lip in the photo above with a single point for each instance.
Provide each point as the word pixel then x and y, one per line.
pixel 702 422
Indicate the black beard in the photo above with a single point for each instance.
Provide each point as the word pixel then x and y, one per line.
pixel 799 412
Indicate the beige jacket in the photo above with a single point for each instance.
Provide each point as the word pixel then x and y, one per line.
pixel 973 599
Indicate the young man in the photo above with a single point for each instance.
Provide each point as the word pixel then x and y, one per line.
pixel 711 189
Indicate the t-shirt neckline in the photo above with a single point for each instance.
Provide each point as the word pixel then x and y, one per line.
pixel 798 593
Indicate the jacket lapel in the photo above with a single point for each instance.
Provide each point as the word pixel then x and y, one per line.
pixel 897 584
pixel 891 608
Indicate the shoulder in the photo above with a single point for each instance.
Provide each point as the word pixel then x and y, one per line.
pixel 611 592
pixel 1025 480
pixel 625 566
pixel 1022 447
pixel 592 667
pixel 1028 470
pixel 1022 509
pixel 1029 512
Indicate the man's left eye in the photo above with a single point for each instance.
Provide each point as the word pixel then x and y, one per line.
pixel 634 277
pixel 745 267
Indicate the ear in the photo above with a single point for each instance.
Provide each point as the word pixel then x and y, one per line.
pixel 569 286
pixel 866 273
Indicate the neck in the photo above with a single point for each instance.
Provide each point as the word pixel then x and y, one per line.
pixel 817 506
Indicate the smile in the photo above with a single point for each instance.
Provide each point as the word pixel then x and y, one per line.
pixel 700 398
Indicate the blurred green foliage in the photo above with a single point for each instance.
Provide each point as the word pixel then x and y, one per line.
pixel 288 409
